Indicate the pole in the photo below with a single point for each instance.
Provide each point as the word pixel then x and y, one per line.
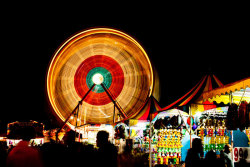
pixel 232 142
pixel 113 100
pixel 129 131
pixel 190 116
pixel 114 115
pixel 150 153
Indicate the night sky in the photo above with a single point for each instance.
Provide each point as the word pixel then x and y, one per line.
pixel 182 46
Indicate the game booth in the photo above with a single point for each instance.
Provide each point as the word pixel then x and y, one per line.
pixel 213 115
pixel 169 128
pixel 235 120
pixel 164 138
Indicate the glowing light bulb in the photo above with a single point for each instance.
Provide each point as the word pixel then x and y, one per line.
pixel 97 79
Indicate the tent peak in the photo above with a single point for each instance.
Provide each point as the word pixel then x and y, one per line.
pixel 207 83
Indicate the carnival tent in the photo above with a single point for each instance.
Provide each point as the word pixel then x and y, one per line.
pixel 194 99
pixel 147 113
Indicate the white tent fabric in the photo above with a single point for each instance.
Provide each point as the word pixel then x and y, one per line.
pixel 170 113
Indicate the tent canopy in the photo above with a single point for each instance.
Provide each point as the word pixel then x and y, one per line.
pixel 149 111
pixel 146 114
pixel 207 83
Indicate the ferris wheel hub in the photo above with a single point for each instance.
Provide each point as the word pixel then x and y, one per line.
pixel 97 79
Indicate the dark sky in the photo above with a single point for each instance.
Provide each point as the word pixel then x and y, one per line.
pixel 182 45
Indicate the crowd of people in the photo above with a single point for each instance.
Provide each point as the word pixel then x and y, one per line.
pixel 71 153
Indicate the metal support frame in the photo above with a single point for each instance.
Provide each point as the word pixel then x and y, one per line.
pixel 116 104
pixel 76 109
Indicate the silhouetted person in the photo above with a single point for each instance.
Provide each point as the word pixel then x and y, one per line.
pixel 87 154
pixel 23 155
pixel 107 152
pixel 126 158
pixel 226 156
pixel 69 138
pixel 212 160
pixel 243 162
pixel 54 154
pixel 193 156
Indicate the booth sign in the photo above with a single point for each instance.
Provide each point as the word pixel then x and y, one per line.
pixel 240 153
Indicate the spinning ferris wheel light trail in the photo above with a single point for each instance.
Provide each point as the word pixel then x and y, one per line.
pixel 99 68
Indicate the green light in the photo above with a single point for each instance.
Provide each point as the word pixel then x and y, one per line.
pixel 98 75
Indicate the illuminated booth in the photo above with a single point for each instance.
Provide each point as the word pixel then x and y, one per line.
pixel 15 128
pixel 192 103
pixel 158 133
pixel 212 129
pixel 169 129
pixel 237 97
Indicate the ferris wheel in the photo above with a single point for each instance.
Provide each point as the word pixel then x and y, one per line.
pixel 99 70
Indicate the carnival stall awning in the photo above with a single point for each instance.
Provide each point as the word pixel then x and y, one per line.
pixel 233 92
pixel 207 83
